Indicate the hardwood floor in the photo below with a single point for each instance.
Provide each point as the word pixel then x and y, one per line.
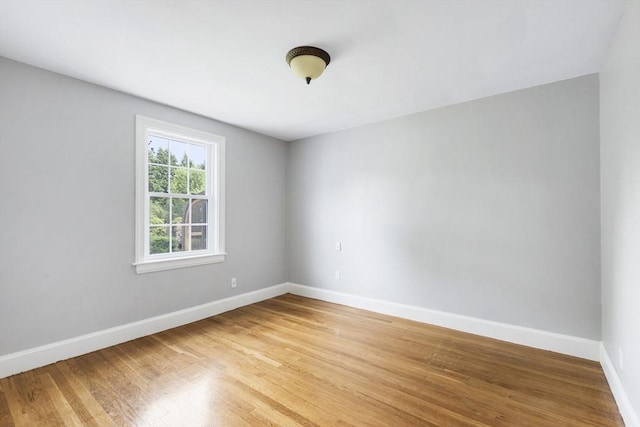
pixel 297 361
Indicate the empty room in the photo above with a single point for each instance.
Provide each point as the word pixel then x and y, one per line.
pixel 320 213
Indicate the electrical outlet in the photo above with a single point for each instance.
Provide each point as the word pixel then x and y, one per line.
pixel 338 246
pixel 621 358
pixel 234 282
pixel 337 274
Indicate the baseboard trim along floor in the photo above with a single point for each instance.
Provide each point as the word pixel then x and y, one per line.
pixel 580 347
pixel 50 353
pixel 619 394
pixel 566 344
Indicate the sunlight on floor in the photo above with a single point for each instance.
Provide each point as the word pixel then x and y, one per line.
pixel 189 405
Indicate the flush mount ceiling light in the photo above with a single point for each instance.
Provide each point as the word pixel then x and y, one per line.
pixel 308 62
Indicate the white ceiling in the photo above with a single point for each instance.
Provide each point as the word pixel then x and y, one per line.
pixel 226 59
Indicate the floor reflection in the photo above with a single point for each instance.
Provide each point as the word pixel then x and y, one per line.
pixel 190 405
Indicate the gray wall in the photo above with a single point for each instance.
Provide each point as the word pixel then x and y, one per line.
pixel 488 209
pixel 67 212
pixel 620 186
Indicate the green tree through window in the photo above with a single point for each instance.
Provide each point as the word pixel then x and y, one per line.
pixel 172 185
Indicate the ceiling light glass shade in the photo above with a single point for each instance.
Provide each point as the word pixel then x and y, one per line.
pixel 307 66
pixel 308 62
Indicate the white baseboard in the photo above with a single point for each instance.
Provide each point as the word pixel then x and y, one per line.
pixel 622 399
pixel 566 344
pixel 580 347
pixel 44 355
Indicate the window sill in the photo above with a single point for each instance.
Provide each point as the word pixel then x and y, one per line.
pixel 170 264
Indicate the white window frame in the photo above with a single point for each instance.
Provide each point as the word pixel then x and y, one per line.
pixel 146 262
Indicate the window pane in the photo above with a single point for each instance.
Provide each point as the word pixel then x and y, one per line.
pixel 179 180
pixel 178 233
pixel 198 237
pixel 159 210
pixel 159 240
pixel 197 155
pixel 178 153
pixel 158 149
pixel 197 182
pixel 179 211
pixel 199 211
pixel 158 178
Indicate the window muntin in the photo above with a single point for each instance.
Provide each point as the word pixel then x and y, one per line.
pixel 180 196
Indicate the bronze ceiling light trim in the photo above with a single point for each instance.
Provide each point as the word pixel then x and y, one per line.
pixel 308 62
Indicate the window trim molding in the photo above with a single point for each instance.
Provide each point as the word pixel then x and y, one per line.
pixel 143 262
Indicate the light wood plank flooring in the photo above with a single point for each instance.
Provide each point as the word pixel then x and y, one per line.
pixel 295 361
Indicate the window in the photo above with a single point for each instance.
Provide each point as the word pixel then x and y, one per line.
pixel 179 196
